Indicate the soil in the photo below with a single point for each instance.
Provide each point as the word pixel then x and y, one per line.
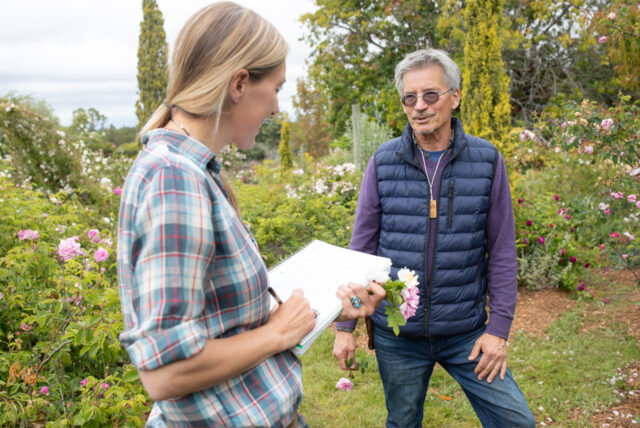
pixel 536 310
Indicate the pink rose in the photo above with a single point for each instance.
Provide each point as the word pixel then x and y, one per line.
pixel 631 198
pixel 629 235
pixel 625 256
pixel 101 255
pixel 617 195
pixel 28 234
pixel 606 124
pixel 69 248
pixel 94 235
pixel 44 390
pixel 588 149
pixel 603 39
pixel 117 191
pixel 344 384
pixel 84 382
pixel 540 239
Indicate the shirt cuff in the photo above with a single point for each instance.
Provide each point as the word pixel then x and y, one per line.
pixel 348 326
pixel 168 345
pixel 499 326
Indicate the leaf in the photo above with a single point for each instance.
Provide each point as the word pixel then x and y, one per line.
pixel 131 375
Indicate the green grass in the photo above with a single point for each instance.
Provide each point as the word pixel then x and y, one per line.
pixel 569 368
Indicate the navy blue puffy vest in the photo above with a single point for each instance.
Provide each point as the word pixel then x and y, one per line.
pixel 455 302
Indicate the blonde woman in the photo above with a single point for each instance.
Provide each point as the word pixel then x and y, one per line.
pixel 192 282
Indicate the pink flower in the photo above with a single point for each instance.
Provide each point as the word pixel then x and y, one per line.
pixel 556 197
pixel 614 235
pixel 617 195
pixel 607 211
pixel 629 235
pixel 588 149
pixel 581 286
pixel 28 234
pixel 603 206
pixel 572 229
pixel 84 382
pixel 1 295
pixel 572 259
pixel 601 246
pixel 567 216
pixel 606 300
pixel 625 256
pixel 606 123
pixel 612 16
pixel 104 386
pixel 603 39
pixel 587 264
pixel 540 239
pixel 69 248
pixel 94 235
pixel 527 135
pixel 117 191
pixel 411 301
pixel 101 255
pixel 563 252
pixel 631 198
pixel 529 222
pixel 550 224
pixel 526 241
pixel 44 390
pixel 344 384
pixel 26 327
pixel 638 205
pixel 45 215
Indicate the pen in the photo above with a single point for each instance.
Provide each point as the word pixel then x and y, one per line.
pixel 275 296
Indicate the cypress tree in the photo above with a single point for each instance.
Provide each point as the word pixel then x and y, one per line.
pixel 485 107
pixel 284 150
pixel 152 62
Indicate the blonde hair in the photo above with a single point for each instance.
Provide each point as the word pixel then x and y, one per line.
pixel 214 43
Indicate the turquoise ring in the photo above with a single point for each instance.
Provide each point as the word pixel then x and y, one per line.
pixel 356 302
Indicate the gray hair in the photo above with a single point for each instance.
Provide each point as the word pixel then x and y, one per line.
pixel 426 58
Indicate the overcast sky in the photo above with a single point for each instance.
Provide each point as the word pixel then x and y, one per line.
pixel 83 53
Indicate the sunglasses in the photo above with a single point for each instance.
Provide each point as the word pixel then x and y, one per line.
pixel 431 97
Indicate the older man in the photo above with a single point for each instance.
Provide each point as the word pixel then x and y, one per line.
pixel 437 201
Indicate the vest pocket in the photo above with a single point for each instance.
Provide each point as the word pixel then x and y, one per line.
pixel 450 213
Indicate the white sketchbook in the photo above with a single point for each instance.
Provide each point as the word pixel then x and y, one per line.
pixel 319 269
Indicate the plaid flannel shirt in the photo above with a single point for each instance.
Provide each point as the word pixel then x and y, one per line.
pixel 188 271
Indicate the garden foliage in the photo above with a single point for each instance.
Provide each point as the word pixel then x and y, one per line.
pixel 575 186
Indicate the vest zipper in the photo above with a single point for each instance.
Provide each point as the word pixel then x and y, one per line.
pixel 450 214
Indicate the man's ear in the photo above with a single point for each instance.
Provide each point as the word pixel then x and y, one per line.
pixel 456 98
pixel 238 85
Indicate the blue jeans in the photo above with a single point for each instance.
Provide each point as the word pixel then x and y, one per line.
pixel 406 364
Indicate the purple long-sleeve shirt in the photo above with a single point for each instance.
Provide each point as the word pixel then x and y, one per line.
pixel 499 232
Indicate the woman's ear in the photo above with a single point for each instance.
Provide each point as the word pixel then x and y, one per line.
pixel 238 85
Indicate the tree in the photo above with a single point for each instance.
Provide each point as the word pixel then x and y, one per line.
pixel 152 62
pixel 357 44
pixel 286 158
pixel 312 128
pixel 547 52
pixel 618 31
pixel 485 97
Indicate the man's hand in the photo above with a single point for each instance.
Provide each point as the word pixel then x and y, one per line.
pixel 370 299
pixel 344 348
pixel 494 357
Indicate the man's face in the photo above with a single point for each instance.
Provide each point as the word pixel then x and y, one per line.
pixel 427 119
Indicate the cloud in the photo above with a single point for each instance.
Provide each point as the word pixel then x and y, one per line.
pixel 77 54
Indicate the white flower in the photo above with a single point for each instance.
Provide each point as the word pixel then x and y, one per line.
pixel 105 182
pixel 408 277
pixel 298 172
pixel 380 277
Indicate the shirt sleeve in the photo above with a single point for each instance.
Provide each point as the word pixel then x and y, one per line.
pixel 173 244
pixel 502 275
pixel 366 227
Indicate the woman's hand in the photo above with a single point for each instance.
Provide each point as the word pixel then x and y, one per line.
pixel 292 320
pixel 370 299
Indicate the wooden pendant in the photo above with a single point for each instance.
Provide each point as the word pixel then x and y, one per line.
pixel 433 209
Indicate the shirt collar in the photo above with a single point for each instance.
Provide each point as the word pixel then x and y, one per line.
pixel 186 146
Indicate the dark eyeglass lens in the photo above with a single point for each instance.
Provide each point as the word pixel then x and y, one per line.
pixel 430 97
